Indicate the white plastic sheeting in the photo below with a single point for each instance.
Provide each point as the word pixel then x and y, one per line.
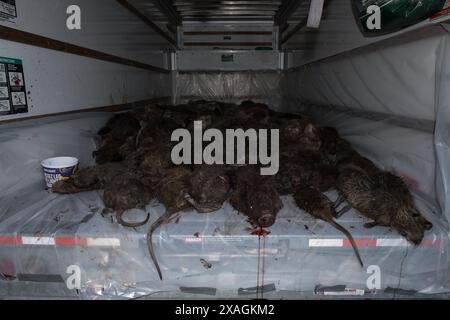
pixel 42 234
pixel 229 87
pixel 442 134
pixel 388 100
pixel 395 77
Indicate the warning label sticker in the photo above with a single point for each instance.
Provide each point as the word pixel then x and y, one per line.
pixel 4 93
pixel 8 10
pixel 5 106
pixel 16 79
pixel 19 99
pixel 13 98
pixel 3 77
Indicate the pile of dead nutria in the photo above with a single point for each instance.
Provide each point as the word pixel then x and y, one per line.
pixel 134 166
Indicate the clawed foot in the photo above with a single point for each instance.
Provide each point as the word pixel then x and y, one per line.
pixel 338 213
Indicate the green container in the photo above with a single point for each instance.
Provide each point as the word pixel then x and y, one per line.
pixel 394 14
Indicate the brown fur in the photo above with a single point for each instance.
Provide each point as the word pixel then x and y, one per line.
pixel 320 207
pixel 385 198
pixel 123 194
pixel 171 192
pixel 118 129
pixel 256 196
pixel 209 188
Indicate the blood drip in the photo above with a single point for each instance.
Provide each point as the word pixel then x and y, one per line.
pixel 261 233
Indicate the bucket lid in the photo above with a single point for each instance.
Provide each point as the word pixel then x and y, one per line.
pixel 59 162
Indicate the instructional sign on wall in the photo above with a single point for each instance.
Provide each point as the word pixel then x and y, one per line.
pixel 13 97
pixel 8 10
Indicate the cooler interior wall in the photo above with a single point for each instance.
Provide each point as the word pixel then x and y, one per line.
pixel 389 99
pixel 109 62
pixel 42 234
pixel 385 98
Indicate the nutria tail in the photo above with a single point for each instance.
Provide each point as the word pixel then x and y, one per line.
pixel 350 238
pixel 151 229
pixel 130 224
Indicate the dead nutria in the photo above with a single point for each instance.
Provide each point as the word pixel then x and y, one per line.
pixel 303 169
pixel 171 192
pixel 334 148
pixel 93 178
pixel 180 115
pixel 155 131
pixel 127 148
pixel 123 194
pixel 117 130
pixel 256 196
pixel 154 160
pixel 204 107
pixel 300 132
pixel 206 111
pixel 291 175
pixel 385 198
pixel 323 178
pixel 208 189
pixel 122 188
pixel 321 175
pixel 319 206
pixel 251 111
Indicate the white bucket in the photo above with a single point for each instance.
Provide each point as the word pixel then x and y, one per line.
pixel 59 168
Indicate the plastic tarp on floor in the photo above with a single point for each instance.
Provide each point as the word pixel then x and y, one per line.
pixel 390 101
pixel 43 234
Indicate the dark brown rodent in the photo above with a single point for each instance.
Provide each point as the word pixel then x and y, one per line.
pixel 333 147
pixel 385 198
pixel 319 206
pixel 171 192
pixel 116 132
pixel 299 131
pixel 94 178
pixel 209 188
pixel 256 196
pixel 123 194
pixel 299 169
pixel 123 189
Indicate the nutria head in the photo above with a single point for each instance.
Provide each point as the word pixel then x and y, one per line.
pixel 264 204
pixel 266 221
pixel 411 224
pixel 301 132
pixel 209 188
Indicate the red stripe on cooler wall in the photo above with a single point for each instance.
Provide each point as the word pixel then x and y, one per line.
pixel 361 243
pixel 431 243
pixel 15 240
pixel 70 242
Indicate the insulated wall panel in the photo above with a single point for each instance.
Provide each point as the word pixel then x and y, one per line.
pixel 394 77
pixel 229 87
pixel 105 26
pixel 58 82
pixel 388 99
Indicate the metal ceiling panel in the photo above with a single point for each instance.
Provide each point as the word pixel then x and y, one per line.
pixel 219 10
